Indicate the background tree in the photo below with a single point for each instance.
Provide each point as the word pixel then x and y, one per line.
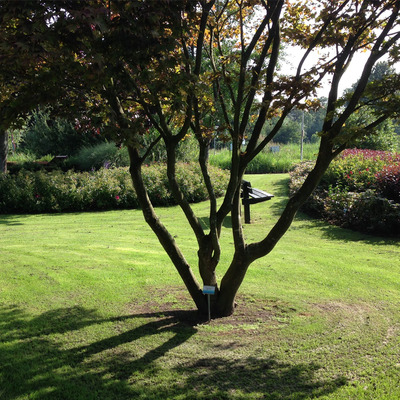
pixel 3 150
pixel 290 131
pixel 382 136
pixel 45 135
pixel 291 128
pixel 170 65
pixel 3 132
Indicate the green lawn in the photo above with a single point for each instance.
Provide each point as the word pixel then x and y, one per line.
pixel 91 308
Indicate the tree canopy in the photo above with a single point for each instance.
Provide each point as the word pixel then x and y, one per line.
pixel 183 67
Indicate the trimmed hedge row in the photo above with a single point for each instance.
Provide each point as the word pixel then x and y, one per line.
pixel 360 191
pixel 57 191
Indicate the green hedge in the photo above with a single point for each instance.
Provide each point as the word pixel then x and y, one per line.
pixel 360 191
pixel 57 191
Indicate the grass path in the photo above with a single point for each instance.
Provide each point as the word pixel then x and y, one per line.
pixel 91 308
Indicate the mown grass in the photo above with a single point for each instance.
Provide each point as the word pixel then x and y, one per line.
pixel 91 308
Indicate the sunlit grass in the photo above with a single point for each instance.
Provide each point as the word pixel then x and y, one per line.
pixel 91 308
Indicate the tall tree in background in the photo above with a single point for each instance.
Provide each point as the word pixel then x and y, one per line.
pixel 3 150
pixel 381 136
pixel 24 78
pixel 172 65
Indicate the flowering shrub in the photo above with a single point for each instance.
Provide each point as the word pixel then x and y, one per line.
pixel 360 190
pixel 56 191
pixel 356 169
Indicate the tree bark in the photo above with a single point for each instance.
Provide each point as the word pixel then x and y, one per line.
pixel 230 284
pixel 3 150
pixel 164 237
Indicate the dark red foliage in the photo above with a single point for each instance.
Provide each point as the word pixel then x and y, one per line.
pixel 388 182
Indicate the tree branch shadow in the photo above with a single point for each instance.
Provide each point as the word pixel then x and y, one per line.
pixel 12 220
pixel 334 232
pixel 205 222
pixel 275 380
pixel 54 356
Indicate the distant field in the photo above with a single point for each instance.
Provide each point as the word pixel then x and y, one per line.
pixel 91 308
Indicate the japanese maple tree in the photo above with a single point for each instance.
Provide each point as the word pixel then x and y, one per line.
pixel 179 66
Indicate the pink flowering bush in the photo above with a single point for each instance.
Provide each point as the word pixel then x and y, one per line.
pixel 356 169
pixel 360 190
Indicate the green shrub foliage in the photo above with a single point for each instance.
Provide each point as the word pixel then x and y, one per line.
pixel 106 154
pixel 388 182
pixel 46 135
pixel 360 190
pixel 105 189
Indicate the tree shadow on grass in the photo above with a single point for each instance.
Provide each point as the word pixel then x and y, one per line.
pixel 205 222
pixel 54 356
pixel 280 192
pixel 333 232
pixel 12 220
pixel 222 378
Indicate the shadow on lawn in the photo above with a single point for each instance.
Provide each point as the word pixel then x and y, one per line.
pixel 333 232
pixel 280 191
pixel 205 222
pixel 43 357
pixel 10 220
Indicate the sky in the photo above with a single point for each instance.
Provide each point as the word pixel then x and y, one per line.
pixel 351 76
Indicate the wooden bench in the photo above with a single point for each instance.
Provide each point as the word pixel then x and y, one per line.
pixel 250 196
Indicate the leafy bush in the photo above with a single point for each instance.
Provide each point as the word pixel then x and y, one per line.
pixel 97 156
pixel 388 182
pixel 47 135
pixel 360 190
pixel 109 155
pixel 315 204
pixel 357 169
pixel 56 191
pixel 374 214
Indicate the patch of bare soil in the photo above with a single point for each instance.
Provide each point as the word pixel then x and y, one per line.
pixel 348 308
pixel 347 313
pixel 176 302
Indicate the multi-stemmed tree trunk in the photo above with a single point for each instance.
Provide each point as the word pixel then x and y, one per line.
pixel 255 73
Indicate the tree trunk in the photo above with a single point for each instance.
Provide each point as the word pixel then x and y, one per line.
pixel 164 237
pixel 3 151
pixel 230 284
pixel 206 263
